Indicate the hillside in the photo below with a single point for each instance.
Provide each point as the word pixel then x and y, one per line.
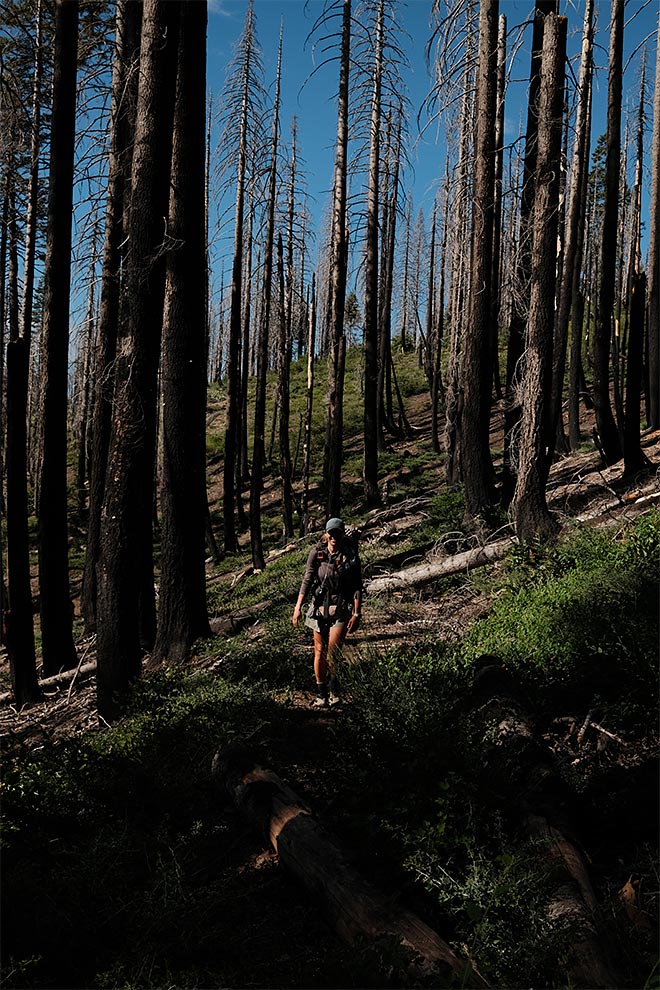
pixel 123 832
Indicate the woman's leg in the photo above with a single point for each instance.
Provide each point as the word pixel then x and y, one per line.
pixel 320 657
pixel 335 640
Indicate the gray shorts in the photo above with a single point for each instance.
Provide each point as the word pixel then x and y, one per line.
pixel 338 617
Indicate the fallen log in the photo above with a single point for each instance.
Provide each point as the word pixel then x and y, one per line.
pixel 230 625
pixel 58 680
pixel 379 516
pixel 627 506
pixel 434 569
pixel 518 762
pixel 390 936
pixel 572 906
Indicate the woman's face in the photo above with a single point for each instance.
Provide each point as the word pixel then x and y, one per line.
pixel 335 537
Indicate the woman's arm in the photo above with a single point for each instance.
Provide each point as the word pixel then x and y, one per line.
pixel 297 610
pixel 356 615
pixel 305 586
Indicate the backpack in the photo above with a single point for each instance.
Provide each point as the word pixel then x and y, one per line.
pixel 334 578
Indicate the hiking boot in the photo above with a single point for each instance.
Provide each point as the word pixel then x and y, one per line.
pixel 333 697
pixel 321 699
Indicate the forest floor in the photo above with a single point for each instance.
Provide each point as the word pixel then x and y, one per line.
pixel 579 485
pixel 277 934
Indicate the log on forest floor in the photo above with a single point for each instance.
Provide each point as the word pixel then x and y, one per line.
pixel 58 680
pixel 520 764
pixel 391 937
pixel 572 906
pixel 434 569
pixel 230 625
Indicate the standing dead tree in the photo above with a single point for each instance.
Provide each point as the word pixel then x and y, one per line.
pixel 573 228
pixel 653 308
pixel 475 371
pixel 126 601
pixel 19 618
pixel 522 276
pixel 58 649
pixel 241 103
pixel 259 448
pixel 182 614
pixel 454 42
pixel 531 513
pixel 371 275
pixel 122 124
pixel 337 278
pixel 609 439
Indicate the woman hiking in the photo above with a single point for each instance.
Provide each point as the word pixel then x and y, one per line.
pixel 334 576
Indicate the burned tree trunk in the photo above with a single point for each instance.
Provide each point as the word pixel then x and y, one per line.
pixel 337 292
pixel 58 649
pixel 516 342
pixel 530 507
pixel 371 278
pixel 653 311
pixel 574 240
pixel 258 448
pixel 610 442
pixel 122 125
pixel 476 357
pixel 634 458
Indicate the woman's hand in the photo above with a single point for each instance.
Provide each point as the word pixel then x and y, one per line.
pixel 353 622
pixel 296 615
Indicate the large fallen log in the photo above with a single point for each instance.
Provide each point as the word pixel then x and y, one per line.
pixel 390 936
pixel 432 570
pixel 230 625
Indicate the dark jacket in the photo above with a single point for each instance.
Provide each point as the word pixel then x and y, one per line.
pixel 333 577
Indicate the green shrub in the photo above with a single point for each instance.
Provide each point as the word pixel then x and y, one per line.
pixel 588 597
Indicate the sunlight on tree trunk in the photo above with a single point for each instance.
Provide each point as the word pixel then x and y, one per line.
pixel 530 509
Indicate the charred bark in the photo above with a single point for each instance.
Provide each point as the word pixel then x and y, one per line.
pixel 122 124
pixel 529 504
pixel 58 649
pixel 182 616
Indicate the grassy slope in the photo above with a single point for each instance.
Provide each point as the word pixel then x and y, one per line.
pixel 123 867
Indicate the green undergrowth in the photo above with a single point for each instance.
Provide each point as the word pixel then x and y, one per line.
pixel 583 612
pixel 124 867
pixel 574 628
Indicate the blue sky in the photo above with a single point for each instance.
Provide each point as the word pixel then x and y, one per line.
pixel 313 99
